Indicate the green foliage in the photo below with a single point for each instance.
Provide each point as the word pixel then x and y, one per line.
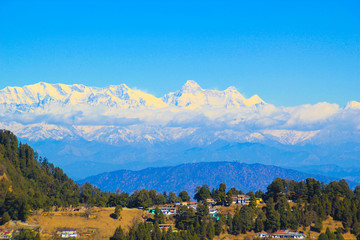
pixel 219 195
pixel 202 212
pixel 117 212
pixel 339 236
pixel 5 218
pixel 118 198
pixel 330 234
pixel 259 225
pixel 184 218
pixel 26 234
pixel 276 189
pixel 159 216
pixel 184 196
pixel 318 225
pixel 31 182
pixel 118 234
pixel 202 193
pixel 219 225
pixel 323 236
pixel 272 217
pixel 210 230
pixel 173 198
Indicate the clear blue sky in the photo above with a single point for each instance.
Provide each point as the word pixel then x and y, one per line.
pixel 288 52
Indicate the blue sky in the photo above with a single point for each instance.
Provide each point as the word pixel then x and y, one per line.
pixel 288 52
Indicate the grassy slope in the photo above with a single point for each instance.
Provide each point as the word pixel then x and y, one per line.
pixel 103 224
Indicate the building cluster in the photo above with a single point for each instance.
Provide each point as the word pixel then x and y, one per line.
pixel 172 210
pixel 67 233
pixel 243 199
pixel 283 234
pixel 6 234
pixel 240 199
pixel 166 226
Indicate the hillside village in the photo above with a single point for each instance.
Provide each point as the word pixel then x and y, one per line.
pixel 167 211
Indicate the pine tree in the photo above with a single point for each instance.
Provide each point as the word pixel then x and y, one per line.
pixel 119 234
pixel 219 225
pixel 323 236
pixel 339 236
pixel 236 224
pixel 117 212
pixel 259 224
pixel 5 218
pixel 318 225
pixel 330 234
pixel 272 217
pixel 156 232
pixel 210 230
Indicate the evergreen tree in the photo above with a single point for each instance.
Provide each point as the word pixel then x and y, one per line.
pixel 5 218
pixel 219 225
pixel 118 212
pixel 318 225
pixel 26 234
pixel 236 224
pixel 323 236
pixel 272 217
pixel 339 236
pixel 119 234
pixel 259 224
pixel 210 230
pixel 202 193
pixel 330 234
pixel 202 211
pixel 156 232
pixel 184 196
pixel 184 218
pixel 159 216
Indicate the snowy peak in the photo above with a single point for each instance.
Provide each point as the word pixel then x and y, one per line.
pixel 41 94
pixel 191 86
pixel 255 99
pixel 118 113
pixel 192 96
pixel 352 105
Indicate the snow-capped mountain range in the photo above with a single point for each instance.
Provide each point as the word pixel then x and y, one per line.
pixel 119 114
pixel 89 130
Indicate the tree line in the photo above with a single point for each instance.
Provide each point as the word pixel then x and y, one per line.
pixel 313 203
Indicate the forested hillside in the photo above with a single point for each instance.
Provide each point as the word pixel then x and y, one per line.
pixel 28 181
pixel 288 204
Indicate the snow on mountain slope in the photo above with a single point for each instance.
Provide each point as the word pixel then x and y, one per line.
pixel 290 137
pixel 352 105
pixel 39 131
pixel 119 114
pixel 192 96
pixel 41 94
pixel 118 135
pixel 109 134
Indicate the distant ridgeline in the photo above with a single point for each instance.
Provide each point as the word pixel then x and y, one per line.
pixel 29 182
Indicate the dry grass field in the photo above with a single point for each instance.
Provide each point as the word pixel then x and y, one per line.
pixel 332 225
pixel 100 225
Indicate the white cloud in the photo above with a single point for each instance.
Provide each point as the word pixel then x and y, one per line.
pixel 136 112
